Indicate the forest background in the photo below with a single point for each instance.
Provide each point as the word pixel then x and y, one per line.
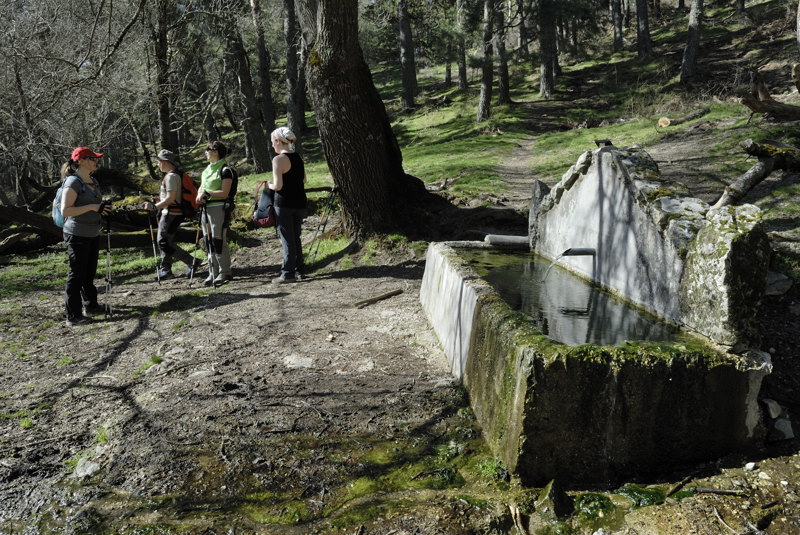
pixel 130 78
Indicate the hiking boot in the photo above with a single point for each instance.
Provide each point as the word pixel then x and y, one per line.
pixel 281 280
pixel 209 280
pixel 75 322
pixel 165 275
pixel 222 278
pixel 298 276
pixel 94 309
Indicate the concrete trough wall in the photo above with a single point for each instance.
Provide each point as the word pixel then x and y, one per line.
pixel 654 245
pixel 587 414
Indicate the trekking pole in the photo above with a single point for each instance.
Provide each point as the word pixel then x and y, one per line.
pixel 194 257
pixel 109 284
pixel 207 240
pixel 155 253
pixel 322 224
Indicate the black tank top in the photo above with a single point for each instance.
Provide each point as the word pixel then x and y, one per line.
pixel 292 194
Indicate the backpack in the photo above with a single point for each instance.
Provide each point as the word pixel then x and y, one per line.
pixel 263 209
pixel 231 200
pixel 55 212
pixel 188 199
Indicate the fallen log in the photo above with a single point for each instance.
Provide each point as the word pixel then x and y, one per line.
pixel 666 121
pixel 760 101
pixel 42 224
pixel 771 155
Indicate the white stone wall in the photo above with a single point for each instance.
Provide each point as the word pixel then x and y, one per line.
pixel 641 227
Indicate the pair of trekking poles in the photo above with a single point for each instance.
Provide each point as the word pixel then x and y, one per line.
pixel 204 225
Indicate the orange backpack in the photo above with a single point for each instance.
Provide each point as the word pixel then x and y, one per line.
pixel 188 199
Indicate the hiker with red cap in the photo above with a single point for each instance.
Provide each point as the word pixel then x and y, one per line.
pixel 82 207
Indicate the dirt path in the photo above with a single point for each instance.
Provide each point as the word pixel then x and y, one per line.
pixel 214 395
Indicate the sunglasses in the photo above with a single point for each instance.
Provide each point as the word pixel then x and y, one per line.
pixel 210 150
pixel 92 158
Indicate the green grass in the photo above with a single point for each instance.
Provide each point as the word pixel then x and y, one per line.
pixel 47 271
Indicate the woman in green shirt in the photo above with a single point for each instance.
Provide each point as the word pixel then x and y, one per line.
pixel 214 195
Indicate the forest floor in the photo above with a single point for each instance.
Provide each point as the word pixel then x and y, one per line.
pixel 263 408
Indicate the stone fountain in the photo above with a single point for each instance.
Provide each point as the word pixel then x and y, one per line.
pixel 596 414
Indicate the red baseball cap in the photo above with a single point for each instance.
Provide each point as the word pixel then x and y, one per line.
pixel 84 152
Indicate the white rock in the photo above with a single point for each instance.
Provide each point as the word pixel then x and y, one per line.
pixel 773 408
pixel 750 467
pixel 86 468
pixel 296 361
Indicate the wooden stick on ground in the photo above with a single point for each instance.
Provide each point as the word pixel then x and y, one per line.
pixel 375 299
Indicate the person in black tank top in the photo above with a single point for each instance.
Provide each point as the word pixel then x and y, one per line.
pixel 288 183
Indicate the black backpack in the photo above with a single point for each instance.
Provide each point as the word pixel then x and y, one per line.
pixel 231 200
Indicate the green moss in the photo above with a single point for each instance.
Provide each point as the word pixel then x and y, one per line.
pixel 642 496
pixel 592 506
pixel 559 528
pixel 283 513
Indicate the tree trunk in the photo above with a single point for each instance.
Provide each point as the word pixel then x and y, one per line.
pixel 160 38
pixel 301 90
pixel 259 147
pixel 360 147
pixel 616 19
pixel 656 7
pixel 547 48
pixel 461 48
pixel 264 63
pixel 524 49
pixel 692 41
pixel 797 26
pixel 487 71
pixel 503 80
pixel 291 33
pixel 644 45
pixel 408 64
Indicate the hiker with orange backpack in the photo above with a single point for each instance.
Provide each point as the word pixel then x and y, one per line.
pixel 171 216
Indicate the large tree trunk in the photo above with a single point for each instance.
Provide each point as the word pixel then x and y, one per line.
pixel 487 74
pixel 503 81
pixel 264 62
pixel 360 147
pixel 408 65
pixel 644 45
pixel 692 41
pixel 548 48
pixel 259 147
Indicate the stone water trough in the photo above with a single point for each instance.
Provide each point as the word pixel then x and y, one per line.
pixel 593 414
